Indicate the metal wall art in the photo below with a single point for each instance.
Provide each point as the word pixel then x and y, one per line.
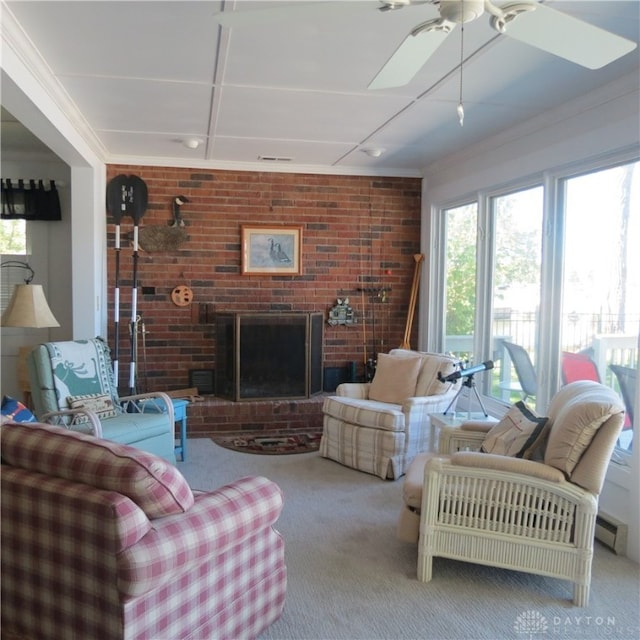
pixel 342 313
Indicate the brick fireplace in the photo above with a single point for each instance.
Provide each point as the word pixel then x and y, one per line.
pixel 359 235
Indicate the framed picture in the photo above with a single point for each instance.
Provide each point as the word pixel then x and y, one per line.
pixel 271 250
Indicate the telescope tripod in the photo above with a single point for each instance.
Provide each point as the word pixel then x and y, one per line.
pixel 471 384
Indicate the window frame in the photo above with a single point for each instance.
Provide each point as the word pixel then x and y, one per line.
pixel 553 181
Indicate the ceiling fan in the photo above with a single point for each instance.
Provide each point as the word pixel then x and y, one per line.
pixel 528 21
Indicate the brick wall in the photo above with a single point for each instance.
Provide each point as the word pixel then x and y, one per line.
pixel 357 233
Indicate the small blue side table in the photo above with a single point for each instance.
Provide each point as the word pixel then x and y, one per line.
pixel 179 415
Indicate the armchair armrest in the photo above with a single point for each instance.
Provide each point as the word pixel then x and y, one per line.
pixel 478 425
pixel 418 408
pixel 427 402
pixel 155 401
pixel 358 390
pixel 217 521
pixel 68 418
pixel 507 463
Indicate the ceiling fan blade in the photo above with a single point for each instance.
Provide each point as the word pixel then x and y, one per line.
pixel 567 37
pixel 396 5
pixel 412 54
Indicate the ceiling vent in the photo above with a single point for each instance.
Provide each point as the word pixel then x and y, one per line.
pixel 275 158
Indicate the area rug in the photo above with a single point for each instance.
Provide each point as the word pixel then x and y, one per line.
pixel 351 578
pixel 270 444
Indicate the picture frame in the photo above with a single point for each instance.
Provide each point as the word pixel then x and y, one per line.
pixel 271 250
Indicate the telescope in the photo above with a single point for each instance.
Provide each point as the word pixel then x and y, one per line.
pixel 463 373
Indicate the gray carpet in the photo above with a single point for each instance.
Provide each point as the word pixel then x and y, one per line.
pixel 350 578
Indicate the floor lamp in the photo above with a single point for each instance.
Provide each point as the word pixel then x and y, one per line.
pixel 28 308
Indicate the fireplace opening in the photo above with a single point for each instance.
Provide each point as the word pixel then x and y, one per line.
pixel 269 355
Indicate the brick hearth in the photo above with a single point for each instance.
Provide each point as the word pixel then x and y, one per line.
pixel 214 415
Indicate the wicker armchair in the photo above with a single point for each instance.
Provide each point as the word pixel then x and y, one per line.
pixel 532 516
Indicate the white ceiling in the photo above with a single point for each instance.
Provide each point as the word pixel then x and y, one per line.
pixel 147 75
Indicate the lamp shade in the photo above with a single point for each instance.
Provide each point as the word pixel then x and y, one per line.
pixel 28 308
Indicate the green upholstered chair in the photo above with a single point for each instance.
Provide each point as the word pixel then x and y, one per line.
pixel 72 385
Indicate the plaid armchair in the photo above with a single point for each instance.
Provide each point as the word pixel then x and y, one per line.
pixel 379 427
pixel 101 540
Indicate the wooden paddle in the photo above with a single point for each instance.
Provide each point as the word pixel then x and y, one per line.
pixel 418 258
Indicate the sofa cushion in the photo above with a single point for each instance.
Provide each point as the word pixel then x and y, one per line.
pixel 432 364
pixel 576 421
pixel 365 413
pixel 129 428
pixel 395 378
pixel 156 486
pixel 414 479
pixel 517 434
pixel 428 378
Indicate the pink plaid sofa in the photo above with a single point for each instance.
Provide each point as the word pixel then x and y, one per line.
pixel 101 540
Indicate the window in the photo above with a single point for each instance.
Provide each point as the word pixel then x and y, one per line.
pixel 11 276
pixel 460 279
pixel 13 246
pixel 517 221
pixel 601 278
pixel 556 277
pixel 13 237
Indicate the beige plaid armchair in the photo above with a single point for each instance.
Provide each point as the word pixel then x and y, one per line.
pixel 379 427
pixel 536 516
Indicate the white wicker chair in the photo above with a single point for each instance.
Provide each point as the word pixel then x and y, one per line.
pixel 537 517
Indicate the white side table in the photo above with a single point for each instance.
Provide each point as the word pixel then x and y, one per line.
pixel 447 437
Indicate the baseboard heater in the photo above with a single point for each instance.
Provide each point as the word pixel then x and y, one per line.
pixel 612 533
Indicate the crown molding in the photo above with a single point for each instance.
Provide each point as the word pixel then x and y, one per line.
pixel 17 42
pixel 261 167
